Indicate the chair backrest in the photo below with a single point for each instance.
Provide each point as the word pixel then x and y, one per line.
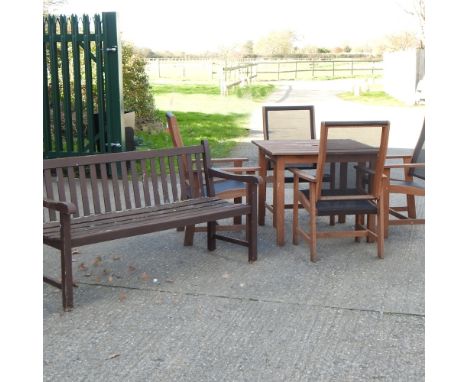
pixel 174 131
pixel 360 147
pixel 288 122
pixel 418 155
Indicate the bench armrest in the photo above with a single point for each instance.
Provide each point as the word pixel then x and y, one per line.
pixel 217 173
pixel 64 207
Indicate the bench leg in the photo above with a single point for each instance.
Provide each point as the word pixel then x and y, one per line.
pixel 66 263
pixel 211 232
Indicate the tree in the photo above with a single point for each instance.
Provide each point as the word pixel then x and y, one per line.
pixel 417 8
pixel 278 43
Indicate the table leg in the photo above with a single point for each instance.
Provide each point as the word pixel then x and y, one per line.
pixel 262 162
pixel 279 201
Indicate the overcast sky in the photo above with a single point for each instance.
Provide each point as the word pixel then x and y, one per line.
pixel 210 24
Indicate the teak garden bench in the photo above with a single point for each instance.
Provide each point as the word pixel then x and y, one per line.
pixel 97 198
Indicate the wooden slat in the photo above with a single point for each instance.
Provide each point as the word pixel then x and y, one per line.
pixel 182 176
pixel 144 179
pixel 125 185
pixel 105 187
pixel 154 219
pixel 154 180
pixel 95 189
pixel 192 176
pixel 135 184
pixel 72 187
pixel 172 173
pixel 198 166
pixel 61 184
pixel 162 167
pixel 115 186
pixel 84 190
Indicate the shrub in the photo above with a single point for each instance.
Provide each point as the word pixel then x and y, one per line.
pixel 137 94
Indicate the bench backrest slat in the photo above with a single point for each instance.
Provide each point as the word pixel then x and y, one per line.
pixel 95 189
pixel 105 187
pixel 115 186
pixel 72 187
pixel 122 181
pixel 84 190
pixel 154 182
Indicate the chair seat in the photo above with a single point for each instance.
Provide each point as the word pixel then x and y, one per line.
pixel 227 185
pixel 342 207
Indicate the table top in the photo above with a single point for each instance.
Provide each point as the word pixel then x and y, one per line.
pixel 311 147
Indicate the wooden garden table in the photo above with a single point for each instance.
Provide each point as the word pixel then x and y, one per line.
pixel 285 153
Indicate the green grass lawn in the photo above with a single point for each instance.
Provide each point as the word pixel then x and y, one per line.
pixel 373 96
pixel 202 113
pixel 221 130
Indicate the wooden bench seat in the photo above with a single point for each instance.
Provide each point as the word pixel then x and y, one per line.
pixel 104 197
pixel 111 226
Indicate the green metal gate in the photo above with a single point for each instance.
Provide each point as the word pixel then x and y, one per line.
pixel 82 86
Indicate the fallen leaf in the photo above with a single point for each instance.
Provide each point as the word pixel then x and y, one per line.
pixel 225 275
pixel 83 267
pixel 145 276
pixel 122 296
pixel 110 279
pixel 98 279
pixel 131 269
pixel 97 261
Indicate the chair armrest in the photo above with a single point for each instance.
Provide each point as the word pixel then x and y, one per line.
pixel 405 165
pixel 303 175
pixel 238 161
pixel 217 173
pixel 402 156
pixel 239 169
pixel 64 207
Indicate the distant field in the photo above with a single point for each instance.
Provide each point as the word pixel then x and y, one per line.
pixel 210 71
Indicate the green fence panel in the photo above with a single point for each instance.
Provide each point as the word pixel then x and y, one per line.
pixel 82 85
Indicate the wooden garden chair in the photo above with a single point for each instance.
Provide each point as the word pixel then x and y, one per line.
pixel 413 167
pixel 292 122
pixel 225 189
pixel 362 196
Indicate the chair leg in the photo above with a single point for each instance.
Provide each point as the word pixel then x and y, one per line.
pixel 313 235
pixel 371 227
pixel 188 237
pixel 251 228
pixel 295 239
pixel 211 231
pixel 380 229
pixel 237 219
pixel 358 223
pixel 410 199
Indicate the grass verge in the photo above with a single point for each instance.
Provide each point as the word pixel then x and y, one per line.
pixel 221 130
